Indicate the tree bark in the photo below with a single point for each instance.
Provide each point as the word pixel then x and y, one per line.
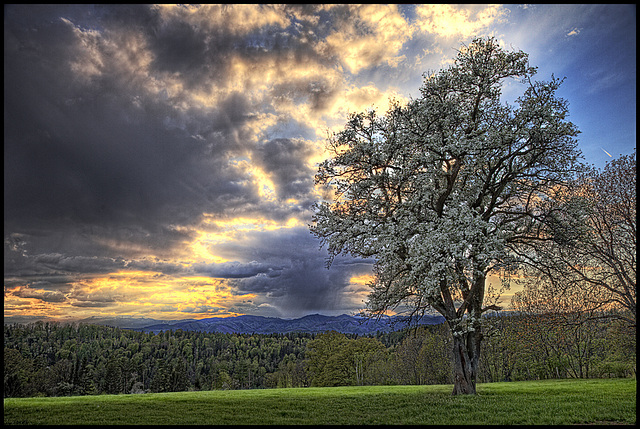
pixel 466 356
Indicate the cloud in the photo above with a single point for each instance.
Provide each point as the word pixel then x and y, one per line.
pixel 138 139
pixel 237 270
pixel 446 20
pixel 574 32
pixel 43 295
pixel 286 160
pixel 111 148
pixel 295 282
pixel 368 35
pixel 141 126
pixel 238 19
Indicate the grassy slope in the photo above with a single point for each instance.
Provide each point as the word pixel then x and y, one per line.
pixel 533 402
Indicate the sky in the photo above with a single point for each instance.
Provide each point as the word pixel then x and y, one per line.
pixel 159 161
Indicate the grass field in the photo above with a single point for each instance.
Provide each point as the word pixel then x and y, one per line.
pixel 531 402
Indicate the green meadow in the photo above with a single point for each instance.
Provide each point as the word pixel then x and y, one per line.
pixel 527 402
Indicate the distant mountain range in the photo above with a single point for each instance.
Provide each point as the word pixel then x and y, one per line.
pixel 314 323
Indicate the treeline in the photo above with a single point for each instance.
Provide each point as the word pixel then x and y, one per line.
pixel 78 359
pixel 557 345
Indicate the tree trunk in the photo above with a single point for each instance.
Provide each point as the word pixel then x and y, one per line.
pixel 466 356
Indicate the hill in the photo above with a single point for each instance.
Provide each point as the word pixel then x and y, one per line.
pixel 246 324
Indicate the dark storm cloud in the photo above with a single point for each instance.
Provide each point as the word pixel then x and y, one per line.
pixel 75 264
pixel 198 46
pixel 103 150
pixel 237 270
pixel 303 283
pixel 182 48
pixel 286 160
pixel 121 134
pixel 60 269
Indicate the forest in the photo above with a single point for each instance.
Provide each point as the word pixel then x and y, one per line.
pixel 51 359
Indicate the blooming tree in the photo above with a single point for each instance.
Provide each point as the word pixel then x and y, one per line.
pixel 435 190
